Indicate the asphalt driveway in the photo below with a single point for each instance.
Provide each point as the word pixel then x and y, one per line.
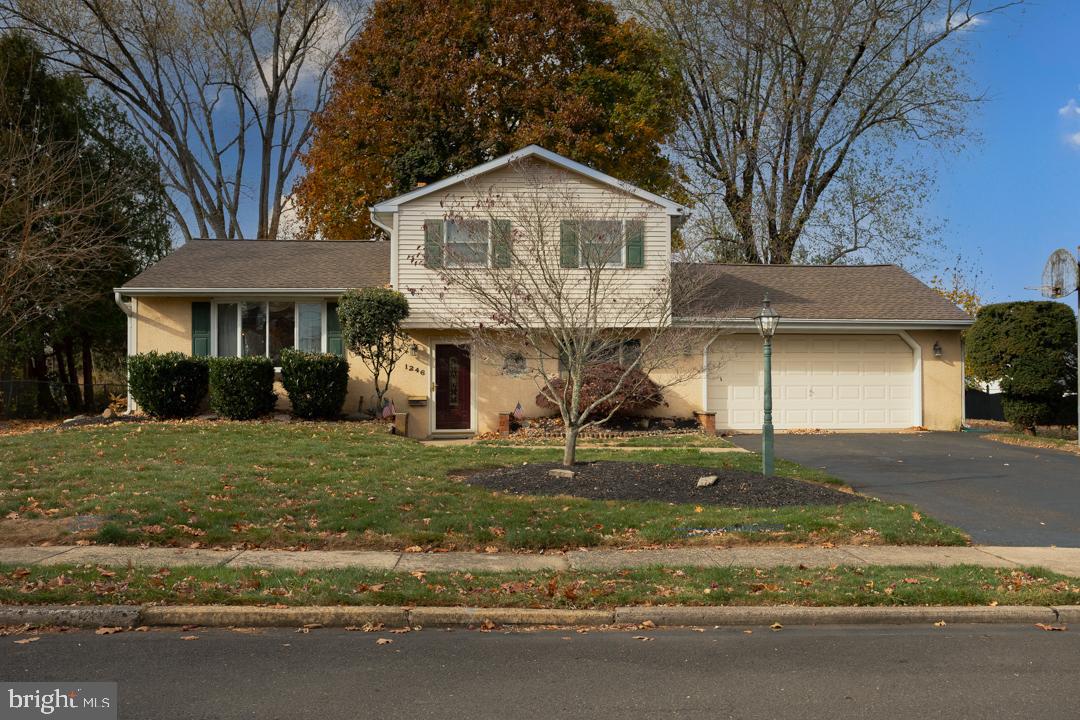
pixel 999 494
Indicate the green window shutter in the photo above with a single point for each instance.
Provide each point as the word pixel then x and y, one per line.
pixel 200 329
pixel 635 244
pixel 568 244
pixel 335 344
pixel 500 244
pixel 433 243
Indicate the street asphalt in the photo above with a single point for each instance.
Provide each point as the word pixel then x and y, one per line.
pixel 1000 494
pixel 954 672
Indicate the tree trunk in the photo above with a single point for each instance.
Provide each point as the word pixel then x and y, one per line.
pixel 66 364
pixel 570 448
pixel 39 371
pixel 87 371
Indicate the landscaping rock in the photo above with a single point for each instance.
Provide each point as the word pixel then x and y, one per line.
pixel 562 473
pixel 706 480
pixel 108 413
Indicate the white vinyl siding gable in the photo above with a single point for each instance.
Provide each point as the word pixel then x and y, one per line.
pixel 431 302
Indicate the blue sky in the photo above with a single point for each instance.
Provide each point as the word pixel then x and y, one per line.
pixel 1011 199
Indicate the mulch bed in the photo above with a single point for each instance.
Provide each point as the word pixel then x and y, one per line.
pixel 609 480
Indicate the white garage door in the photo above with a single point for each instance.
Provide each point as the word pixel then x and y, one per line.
pixel 819 381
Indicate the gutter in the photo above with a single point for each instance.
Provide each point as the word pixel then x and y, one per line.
pixel 210 291
pixel 825 324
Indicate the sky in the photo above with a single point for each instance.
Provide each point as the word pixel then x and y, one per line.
pixel 1011 199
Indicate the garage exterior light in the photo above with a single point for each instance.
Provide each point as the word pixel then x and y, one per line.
pixel 767 319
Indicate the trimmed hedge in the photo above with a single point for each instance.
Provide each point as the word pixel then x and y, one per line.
pixel 169 385
pixel 316 382
pixel 242 388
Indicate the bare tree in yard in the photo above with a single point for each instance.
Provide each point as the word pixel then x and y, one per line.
pixel 804 119
pixel 53 245
pixel 221 90
pixel 561 294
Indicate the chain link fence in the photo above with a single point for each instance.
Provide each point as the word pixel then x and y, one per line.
pixel 29 399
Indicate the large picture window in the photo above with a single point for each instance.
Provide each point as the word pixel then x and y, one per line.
pixel 266 327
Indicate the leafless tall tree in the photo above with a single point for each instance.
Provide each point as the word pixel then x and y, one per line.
pixel 221 90
pixel 53 245
pixel 506 281
pixel 806 115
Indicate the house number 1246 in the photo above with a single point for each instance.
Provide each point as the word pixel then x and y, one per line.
pixel 415 369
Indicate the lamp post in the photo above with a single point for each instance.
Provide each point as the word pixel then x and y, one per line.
pixel 767 319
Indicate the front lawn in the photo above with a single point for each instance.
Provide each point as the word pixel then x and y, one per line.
pixel 352 485
pixel 959 585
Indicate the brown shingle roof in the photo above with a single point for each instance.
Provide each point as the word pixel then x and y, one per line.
pixel 813 292
pixel 271 265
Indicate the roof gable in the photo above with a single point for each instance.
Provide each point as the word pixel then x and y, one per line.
pixel 531 151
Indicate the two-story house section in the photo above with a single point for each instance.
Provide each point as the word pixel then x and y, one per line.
pixel 858 347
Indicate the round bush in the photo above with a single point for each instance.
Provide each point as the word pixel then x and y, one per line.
pixel 637 392
pixel 316 382
pixel 242 388
pixel 169 385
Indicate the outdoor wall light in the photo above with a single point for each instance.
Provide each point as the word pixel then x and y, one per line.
pixel 937 350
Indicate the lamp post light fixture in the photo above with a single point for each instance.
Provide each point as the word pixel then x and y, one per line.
pixel 767 319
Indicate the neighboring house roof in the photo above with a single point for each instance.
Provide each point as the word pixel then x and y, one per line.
pixel 842 293
pixel 208 266
pixel 391 205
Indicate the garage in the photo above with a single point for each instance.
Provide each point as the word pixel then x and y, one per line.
pixel 828 382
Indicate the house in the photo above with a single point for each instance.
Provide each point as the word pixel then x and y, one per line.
pixel 858 347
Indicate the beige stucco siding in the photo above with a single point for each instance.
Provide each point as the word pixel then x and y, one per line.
pixel 163 324
pixel 434 305
pixel 943 379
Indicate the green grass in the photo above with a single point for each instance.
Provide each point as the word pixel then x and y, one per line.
pixel 352 485
pixel 961 585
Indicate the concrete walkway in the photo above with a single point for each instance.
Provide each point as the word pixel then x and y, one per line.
pixel 1062 560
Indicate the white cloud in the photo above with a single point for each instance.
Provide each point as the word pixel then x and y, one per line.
pixel 1073 139
pixel 1070 109
pixel 951 21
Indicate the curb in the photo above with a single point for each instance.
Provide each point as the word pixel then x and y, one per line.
pixel 669 616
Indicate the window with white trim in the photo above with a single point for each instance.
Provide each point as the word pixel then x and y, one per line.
pixel 266 327
pixel 466 242
pixel 602 243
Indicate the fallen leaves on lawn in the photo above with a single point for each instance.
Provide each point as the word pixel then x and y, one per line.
pixel 916 516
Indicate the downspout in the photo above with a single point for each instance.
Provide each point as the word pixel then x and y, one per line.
pixel 132 329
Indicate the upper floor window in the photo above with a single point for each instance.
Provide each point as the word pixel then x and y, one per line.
pixel 467 243
pixel 602 244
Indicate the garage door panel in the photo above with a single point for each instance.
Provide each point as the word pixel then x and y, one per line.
pixel 837 382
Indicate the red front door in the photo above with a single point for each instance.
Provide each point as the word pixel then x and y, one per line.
pixel 453 392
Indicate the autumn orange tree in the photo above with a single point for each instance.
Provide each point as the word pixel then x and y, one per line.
pixel 430 89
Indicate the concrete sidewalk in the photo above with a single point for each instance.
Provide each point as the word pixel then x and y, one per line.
pixel 1062 560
